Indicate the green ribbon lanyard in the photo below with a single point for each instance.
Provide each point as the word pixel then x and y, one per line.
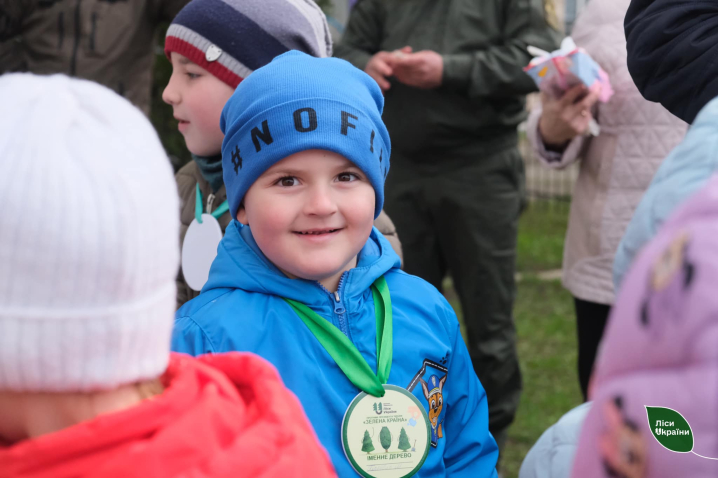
pixel 198 209
pixel 345 353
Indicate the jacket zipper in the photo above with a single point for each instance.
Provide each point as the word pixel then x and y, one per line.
pixel 76 45
pixel 339 308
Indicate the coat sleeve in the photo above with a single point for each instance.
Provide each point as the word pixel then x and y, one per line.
pixel 671 46
pixel 189 338
pixel 498 70
pixel 470 450
pixel 552 159
pixel 363 34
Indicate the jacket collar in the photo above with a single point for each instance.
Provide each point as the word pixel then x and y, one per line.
pixel 240 264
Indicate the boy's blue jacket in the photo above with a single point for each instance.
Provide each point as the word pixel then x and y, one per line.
pixel 241 308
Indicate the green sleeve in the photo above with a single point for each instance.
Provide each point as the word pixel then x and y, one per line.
pixel 498 70
pixel 364 32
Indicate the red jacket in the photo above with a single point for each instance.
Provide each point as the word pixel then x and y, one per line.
pixel 225 415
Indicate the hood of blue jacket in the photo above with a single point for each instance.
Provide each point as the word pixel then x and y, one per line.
pixel 240 264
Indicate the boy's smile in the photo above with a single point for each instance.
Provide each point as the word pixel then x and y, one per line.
pixel 318 235
pixel 311 213
pixel 197 98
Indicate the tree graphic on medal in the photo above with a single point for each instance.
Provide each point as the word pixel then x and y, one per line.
pixel 403 440
pixel 385 439
pixel 367 445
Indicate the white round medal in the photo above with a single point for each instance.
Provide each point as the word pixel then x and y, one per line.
pixel 199 250
pixel 386 437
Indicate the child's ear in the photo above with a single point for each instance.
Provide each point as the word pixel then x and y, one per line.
pixel 242 215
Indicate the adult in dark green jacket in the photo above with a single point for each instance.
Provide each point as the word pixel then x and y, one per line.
pixel 452 75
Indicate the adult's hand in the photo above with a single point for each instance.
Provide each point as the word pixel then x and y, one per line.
pixel 423 69
pixel 379 67
pixel 566 117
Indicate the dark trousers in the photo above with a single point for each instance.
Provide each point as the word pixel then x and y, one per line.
pixel 461 215
pixel 591 321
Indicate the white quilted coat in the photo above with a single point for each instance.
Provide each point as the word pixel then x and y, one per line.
pixel 616 166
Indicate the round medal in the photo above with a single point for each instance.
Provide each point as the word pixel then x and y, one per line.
pixel 199 250
pixel 386 437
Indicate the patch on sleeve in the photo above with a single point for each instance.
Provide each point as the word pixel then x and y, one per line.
pixel 432 377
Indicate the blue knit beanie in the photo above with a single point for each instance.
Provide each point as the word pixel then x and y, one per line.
pixel 298 102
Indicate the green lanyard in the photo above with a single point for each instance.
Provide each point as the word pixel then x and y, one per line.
pixel 198 209
pixel 345 353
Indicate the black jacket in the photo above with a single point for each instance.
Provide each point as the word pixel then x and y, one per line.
pixel 673 52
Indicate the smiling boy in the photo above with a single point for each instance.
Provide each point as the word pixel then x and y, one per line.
pixel 213 46
pixel 304 280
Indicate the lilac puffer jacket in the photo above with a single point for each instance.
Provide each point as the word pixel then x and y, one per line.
pixel 661 344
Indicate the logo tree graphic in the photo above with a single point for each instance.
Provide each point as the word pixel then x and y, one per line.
pixel 670 429
pixel 385 438
pixel 403 440
pixel 367 445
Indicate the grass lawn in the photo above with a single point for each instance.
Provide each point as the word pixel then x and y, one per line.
pixel 546 331
pixel 542 230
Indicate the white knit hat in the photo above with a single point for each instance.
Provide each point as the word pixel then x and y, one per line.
pixel 89 238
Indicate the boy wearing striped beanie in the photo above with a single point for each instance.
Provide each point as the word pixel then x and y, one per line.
pixel 214 45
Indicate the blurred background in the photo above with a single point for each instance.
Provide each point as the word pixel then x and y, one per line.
pixel 543 184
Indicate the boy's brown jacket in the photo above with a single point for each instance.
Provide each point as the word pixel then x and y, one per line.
pixel 187 179
pixel 107 41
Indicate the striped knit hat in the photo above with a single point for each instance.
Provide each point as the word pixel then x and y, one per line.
pixel 232 38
